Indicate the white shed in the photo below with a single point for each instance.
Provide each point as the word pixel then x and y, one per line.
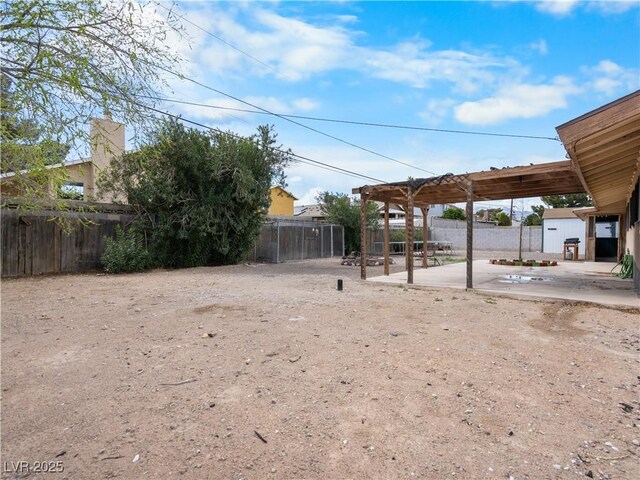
pixel 558 224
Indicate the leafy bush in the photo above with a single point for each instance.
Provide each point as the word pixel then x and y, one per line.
pixel 201 196
pixel 126 253
pixel 344 210
pixel 454 213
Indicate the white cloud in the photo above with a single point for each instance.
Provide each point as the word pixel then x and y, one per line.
pixel 299 49
pixel 612 6
pixel 437 110
pixel 272 104
pixel 540 46
pixel 295 50
pixel 610 78
pixel 208 109
pixel 306 104
pixel 557 7
pixel 517 101
pixel 309 197
pixel 347 18
pixel 414 64
pixel 562 8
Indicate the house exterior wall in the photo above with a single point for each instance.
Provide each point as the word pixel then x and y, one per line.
pixel 281 202
pixel 556 230
pixel 107 141
pixel 83 173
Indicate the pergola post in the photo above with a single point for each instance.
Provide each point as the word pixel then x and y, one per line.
pixel 386 238
pixel 409 235
pixel 363 232
pixel 469 214
pixel 425 237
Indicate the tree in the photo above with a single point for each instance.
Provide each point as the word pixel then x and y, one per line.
pixel 538 210
pixel 488 214
pixel 65 61
pixel 564 201
pixel 532 220
pixel 201 197
pixel 343 210
pixel 502 219
pixel 454 213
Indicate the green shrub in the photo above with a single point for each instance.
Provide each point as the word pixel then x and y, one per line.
pixel 125 253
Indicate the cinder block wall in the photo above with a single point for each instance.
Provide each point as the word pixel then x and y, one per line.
pixel 498 238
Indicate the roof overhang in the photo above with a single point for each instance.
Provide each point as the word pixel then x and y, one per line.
pixel 554 178
pixel 604 147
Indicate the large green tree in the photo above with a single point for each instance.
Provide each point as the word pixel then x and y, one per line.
pixel 454 213
pixel 532 220
pixel 65 61
pixel 564 201
pixel 201 196
pixel 344 210
pixel 502 218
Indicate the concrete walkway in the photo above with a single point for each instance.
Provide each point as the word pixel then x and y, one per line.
pixel 582 281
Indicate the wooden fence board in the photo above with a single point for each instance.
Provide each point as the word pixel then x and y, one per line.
pixel 32 244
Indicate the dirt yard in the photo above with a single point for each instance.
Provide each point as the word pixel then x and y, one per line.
pixel 267 371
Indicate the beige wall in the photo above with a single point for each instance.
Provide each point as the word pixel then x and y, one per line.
pixel 107 140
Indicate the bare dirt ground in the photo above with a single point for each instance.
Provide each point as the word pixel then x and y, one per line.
pixel 267 371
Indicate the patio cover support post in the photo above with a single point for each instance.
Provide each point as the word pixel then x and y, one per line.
pixel 469 214
pixel 409 235
pixel 363 232
pixel 425 236
pixel 386 238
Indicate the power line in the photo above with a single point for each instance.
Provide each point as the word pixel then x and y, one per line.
pixel 220 39
pixel 302 158
pixel 220 92
pixel 367 124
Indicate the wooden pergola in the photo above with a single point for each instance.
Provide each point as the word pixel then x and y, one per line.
pixel 555 178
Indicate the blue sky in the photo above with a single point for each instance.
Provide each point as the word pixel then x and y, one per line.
pixel 512 67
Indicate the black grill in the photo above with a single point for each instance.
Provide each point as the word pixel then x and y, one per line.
pixel 572 241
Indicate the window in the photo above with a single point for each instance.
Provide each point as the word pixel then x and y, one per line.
pixel 72 191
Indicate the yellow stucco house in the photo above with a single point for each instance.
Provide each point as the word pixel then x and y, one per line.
pixel 281 202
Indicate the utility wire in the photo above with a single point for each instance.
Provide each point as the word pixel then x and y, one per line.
pixel 302 117
pixel 264 110
pixel 302 158
pixel 220 39
pixel 353 122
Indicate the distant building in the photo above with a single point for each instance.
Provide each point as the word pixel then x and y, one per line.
pixel 312 213
pixel 281 202
pixel 107 142
pixel 558 224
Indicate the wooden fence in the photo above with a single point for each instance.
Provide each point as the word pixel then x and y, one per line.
pixel 33 243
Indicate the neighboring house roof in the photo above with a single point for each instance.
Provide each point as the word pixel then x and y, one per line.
pixel 309 211
pixel 55 165
pixel 283 191
pixel 559 213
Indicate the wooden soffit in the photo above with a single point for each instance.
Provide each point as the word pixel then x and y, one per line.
pixel 555 178
pixel 604 146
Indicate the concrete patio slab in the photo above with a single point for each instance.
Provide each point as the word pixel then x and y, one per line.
pixel 578 281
